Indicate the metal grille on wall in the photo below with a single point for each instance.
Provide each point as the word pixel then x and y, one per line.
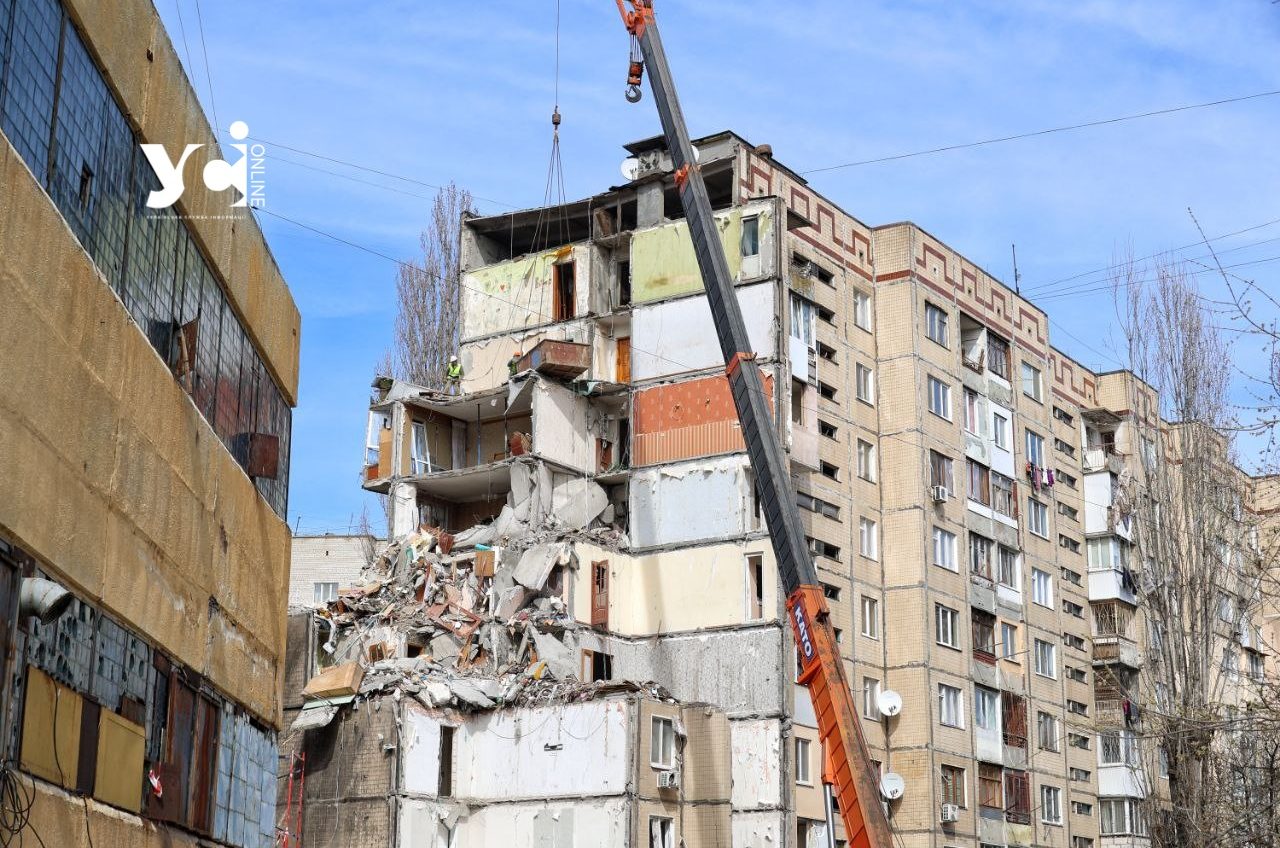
pixel 58 112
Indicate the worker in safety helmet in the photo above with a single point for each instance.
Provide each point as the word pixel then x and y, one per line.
pixel 513 364
pixel 453 376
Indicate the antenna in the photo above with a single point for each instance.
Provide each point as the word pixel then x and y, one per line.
pixel 1017 277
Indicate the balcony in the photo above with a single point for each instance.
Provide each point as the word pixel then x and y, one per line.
pixel 1103 458
pixel 565 360
pixel 1112 649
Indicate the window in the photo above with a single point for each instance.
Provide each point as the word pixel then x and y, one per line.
pixel 1008 641
pixel 1122 816
pixel 564 291
pixel 990 791
pixel 804 500
pixel 661 829
pixel 803 773
pixel 755 586
pixel 1037 517
pixel 1071 576
pixel 828 470
pixel 945 630
pixel 1035 448
pixel 1000 430
pixel 1078 707
pixel 1109 552
pixel 831 593
pixel 1070 544
pixel 1065 479
pixel 1046 659
pixel 824 549
pixel 1079 675
pixel 986 708
pixel 1050 805
pixel 826 351
pixel 1048 732
pixel 871 698
pixel 972 413
pixel 323 593
pixel 802 315
pixel 1073 641
pixel 1062 415
pixel 940 473
pixel 984 636
pixel 662 743
pixel 866 461
pixel 420 458
pixel 1072 608
pixel 1008 574
pixel 862 309
pixel 1063 447
pixel 1041 587
pixel 944 548
pixel 1078 774
pixel 864 383
pixel 1162 761
pixel 953 786
pixel 870 617
pixel 935 323
pixel 868 538
pixel 750 236
pixel 1031 385
pixel 826 429
pixel 997 356
pixel 826 390
pixel 939 398
pixel 1256 668
pixel 950 706
pixel 1231 661
pixel 1017 797
pixel 1004 499
pixel 979 483
pixel 1078 740
pixel 980 555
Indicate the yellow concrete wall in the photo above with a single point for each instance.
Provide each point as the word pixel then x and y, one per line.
pixel 125 490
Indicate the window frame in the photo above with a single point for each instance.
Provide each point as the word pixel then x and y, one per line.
pixel 864 383
pixel 941 544
pixel 1046 808
pixel 1050 655
pixel 951 704
pixel 936 324
pixel 946 626
pixel 862 310
pixel 939 393
pixel 868 538
pixel 662 743
pixel 804 769
pixel 869 613
pixel 1037 377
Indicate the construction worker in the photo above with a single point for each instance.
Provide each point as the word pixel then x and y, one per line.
pixel 513 364
pixel 453 376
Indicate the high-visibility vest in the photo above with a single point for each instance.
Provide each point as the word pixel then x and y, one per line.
pixel 454 371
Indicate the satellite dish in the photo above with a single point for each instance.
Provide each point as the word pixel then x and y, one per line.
pixel 889 702
pixel 892 786
pixel 630 168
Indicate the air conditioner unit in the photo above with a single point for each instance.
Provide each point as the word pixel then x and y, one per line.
pixel 939 494
pixel 668 779
pixel 950 813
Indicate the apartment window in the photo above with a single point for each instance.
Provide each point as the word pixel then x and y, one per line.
pixel 1031 384
pixel 944 548
pixel 868 538
pixel 828 470
pixel 1231 661
pixel 1017 797
pixel 1065 479
pixel 1035 448
pixel 564 289
pixel 1072 577
pixel 939 398
pixel 1008 573
pixel 1078 774
pixel 824 549
pixel 1107 553
pixel 661 829
pixel 1037 517
pixel 1050 805
pixel 751 236
pixel 1063 416
pixel 1078 740
pixel 972 413
pixel 1000 430
pixel 1008 641
pixel 803 773
pixel 1072 608
pixel 980 555
pixel 802 315
pixel 935 323
pixel 755 586
pixel 1162 761
pixel 1063 447
pixel 1077 707
pixel 870 617
pixel 866 461
pixel 1079 675
pixel 826 390
pixel 662 743
pixel 825 315
pixel 871 698
pixel 826 351
pixel 940 471
pixel 950 706
pixel 1048 733
pixel 1003 495
pixel 323 593
pixel 1069 543
pixel 1256 667
pixel 826 429
pixel 984 636
pixel 979 483
pixel 864 383
pixel 953 786
pixel 986 708
pixel 807 501
pixel 990 787
pixel 1121 817
pixel 862 309
pixel 945 630
pixel 831 593
pixel 420 460
pixel 1041 587
pixel 1073 641
pixel 1046 657
pixel 997 356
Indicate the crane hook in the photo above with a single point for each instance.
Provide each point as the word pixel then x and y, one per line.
pixel 634 94
pixel 635 73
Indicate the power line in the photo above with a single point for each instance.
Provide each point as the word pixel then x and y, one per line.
pixel 1018 136
pixel 208 75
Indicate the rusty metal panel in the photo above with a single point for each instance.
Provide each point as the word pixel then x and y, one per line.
pixel 51 729
pixel 203 765
pixel 175 767
pixel 557 358
pixel 87 762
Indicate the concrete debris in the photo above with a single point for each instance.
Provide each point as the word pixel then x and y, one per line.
pixel 536 564
pixel 344 679
pixel 577 501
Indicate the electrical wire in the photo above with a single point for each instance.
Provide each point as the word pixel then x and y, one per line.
pixel 208 75
pixel 1018 136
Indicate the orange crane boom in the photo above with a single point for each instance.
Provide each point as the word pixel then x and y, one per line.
pixel 852 774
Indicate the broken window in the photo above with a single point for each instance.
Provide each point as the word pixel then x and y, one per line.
pixel 444 785
pixel 662 743
pixel 323 593
pixel 597 666
pixel 755 586
pixel 997 356
pixel 564 291
pixel 661 832
pixel 1017 797
pixel 623 271
pixel 797 402
pixel 420 453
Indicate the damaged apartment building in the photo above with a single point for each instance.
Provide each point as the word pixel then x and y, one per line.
pixel 148 367
pixel 576 635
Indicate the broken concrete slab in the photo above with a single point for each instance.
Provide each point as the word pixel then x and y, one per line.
pixel 536 563
pixel 468 691
pixel 333 682
pixel 511 601
pixel 557 655
pixel 576 502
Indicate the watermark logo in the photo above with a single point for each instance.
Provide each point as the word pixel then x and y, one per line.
pixel 245 175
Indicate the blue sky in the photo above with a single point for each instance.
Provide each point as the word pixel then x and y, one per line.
pixel 446 91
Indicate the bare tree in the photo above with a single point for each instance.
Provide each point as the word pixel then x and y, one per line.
pixel 1203 584
pixel 429 295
